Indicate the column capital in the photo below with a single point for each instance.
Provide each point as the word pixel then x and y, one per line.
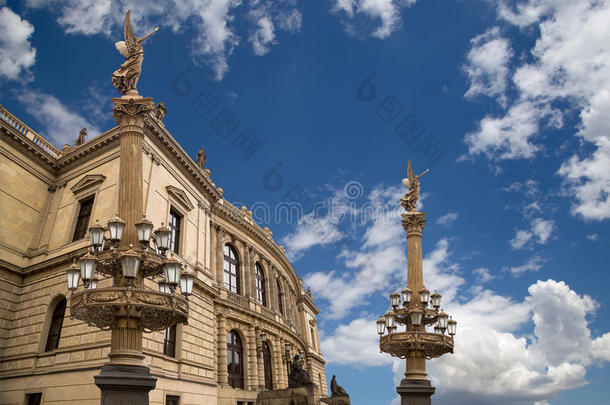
pixel 131 110
pixel 414 222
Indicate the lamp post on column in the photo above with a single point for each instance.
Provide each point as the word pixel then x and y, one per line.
pixel 415 310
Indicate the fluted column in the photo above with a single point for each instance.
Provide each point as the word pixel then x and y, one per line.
pixel 283 380
pixel 246 270
pixel 252 359
pixel 414 223
pixel 272 287
pixel 277 364
pixel 223 375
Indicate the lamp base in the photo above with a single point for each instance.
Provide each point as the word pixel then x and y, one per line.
pixel 415 392
pixel 125 384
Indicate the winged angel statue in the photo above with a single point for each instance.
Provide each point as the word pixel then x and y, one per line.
pixel 409 200
pixel 125 78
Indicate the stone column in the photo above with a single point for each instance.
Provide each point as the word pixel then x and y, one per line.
pixel 221 343
pixel 126 378
pixel 252 259
pixel 252 359
pixel 219 255
pixel 246 271
pixel 212 254
pixel 272 286
pixel 281 370
pixel 415 388
pixel 260 367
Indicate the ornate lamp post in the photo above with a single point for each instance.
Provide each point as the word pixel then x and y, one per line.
pixel 128 308
pixel 416 310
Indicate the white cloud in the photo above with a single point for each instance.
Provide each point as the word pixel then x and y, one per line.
pixel 593 237
pixel 534 263
pixel 213 21
pixel 493 362
pixel 61 124
pixel 447 219
pixel 487 65
pixel 16 51
pixel 377 18
pixel 568 69
pixel 483 274
pixel 541 229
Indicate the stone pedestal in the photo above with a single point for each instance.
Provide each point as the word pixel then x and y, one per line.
pixel 124 385
pixel 309 395
pixel 415 392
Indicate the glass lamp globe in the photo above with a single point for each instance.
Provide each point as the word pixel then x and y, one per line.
pixel 380 326
pixel 144 228
pixel 73 274
pixel 451 326
pixel 96 234
pixel 407 293
pixel 435 300
pixel 172 269
pixel 442 320
pixel 87 265
pixel 130 262
pixel 186 283
pixel 395 299
pixel 389 319
pixel 115 228
pixel 162 237
pixel 424 296
pixel 164 287
pixel 416 317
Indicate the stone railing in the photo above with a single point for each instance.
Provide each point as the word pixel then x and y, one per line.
pixel 268 313
pixel 28 132
pixel 237 299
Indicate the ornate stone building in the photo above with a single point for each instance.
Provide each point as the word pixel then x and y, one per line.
pixel 245 288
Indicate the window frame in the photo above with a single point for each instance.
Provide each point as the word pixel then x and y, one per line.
pixel 235 346
pixel 55 322
pixel 78 216
pixel 267 360
pixel 168 343
pixel 231 263
pixel 280 295
pixel 176 230
pixel 30 395
pixel 261 290
pixel 174 398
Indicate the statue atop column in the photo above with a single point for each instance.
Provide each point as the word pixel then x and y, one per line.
pixel 125 78
pixel 81 137
pixel 160 111
pixel 409 200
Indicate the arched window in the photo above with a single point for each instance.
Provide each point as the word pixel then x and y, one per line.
pixel 57 322
pixel 261 294
pixel 279 296
pixel 231 267
pixel 235 360
pixel 267 366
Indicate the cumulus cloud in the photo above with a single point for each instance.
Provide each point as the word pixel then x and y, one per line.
pixel 213 21
pixel 540 231
pixel 447 219
pixel 376 18
pixel 61 124
pixel 534 263
pixel 494 362
pixel 487 65
pixel 567 69
pixel 16 51
pixel 483 275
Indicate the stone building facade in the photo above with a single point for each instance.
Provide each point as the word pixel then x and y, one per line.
pixel 244 286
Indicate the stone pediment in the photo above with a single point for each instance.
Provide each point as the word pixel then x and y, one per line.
pixel 180 197
pixel 87 182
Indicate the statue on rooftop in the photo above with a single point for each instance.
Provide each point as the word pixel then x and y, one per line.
pixel 160 111
pixel 409 200
pixel 125 78
pixel 81 137
pixel 201 158
pixel 337 390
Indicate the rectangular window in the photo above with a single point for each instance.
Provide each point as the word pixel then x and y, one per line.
pixel 171 400
pixel 82 221
pixel 169 342
pixel 33 399
pixel 175 222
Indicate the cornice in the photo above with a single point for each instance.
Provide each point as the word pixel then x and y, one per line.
pixel 95 145
pixel 27 146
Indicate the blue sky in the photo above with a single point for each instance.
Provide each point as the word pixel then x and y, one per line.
pixel 506 101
